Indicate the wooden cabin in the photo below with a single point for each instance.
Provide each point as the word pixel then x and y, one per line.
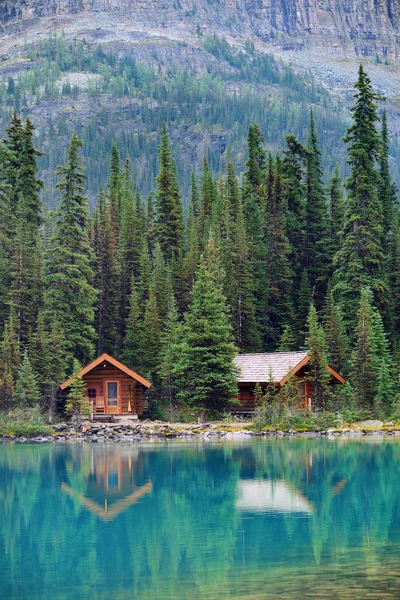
pixel 275 367
pixel 112 388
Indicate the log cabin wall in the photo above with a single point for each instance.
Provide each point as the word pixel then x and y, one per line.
pixel 129 389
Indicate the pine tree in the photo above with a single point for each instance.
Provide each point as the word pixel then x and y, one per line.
pixel 256 164
pixel 10 360
pixel 385 184
pixel 169 355
pixel 360 260
pixel 209 197
pixel 77 404
pixel 107 277
pixel 287 342
pixel 317 367
pixel 47 356
pixel 278 270
pixel 27 387
pixel 303 296
pixel 169 222
pixel 22 219
pixel 245 326
pixel 294 158
pixel 132 342
pixel 69 292
pixel 336 338
pixel 371 363
pixel 115 189
pixel 205 370
pixel 317 240
pixel 337 210
pixel 150 337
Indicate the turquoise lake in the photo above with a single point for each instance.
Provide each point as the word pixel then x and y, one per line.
pixel 289 518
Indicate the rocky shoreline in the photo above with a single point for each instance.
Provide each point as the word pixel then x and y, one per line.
pixel 154 430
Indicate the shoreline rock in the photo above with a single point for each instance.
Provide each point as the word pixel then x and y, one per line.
pixel 157 430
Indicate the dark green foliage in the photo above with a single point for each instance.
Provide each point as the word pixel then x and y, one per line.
pixel 169 355
pixel 360 259
pixel 69 293
pixel 169 221
pixel 10 360
pixel 287 343
pixel 337 209
pixel 317 372
pixel 77 404
pixel 27 387
pixel 294 158
pixel 107 278
pixel 336 338
pixel 278 269
pixel 205 370
pixel 371 362
pixel 175 317
pixel 317 239
pixel 132 342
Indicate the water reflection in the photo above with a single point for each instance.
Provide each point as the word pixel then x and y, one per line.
pixel 285 518
pixel 111 483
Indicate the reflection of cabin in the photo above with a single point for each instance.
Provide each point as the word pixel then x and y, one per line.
pixel 111 485
pixel 271 496
pixel 113 388
pixel 274 367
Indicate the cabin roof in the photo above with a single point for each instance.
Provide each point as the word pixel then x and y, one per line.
pixel 276 367
pixel 106 357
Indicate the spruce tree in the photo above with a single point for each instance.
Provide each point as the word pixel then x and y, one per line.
pixel 337 210
pixel 169 221
pixel 360 260
pixel 317 240
pixel 385 183
pixel 205 371
pixel 294 158
pixel 27 388
pixel 371 362
pixel 287 343
pixel 317 371
pixel 278 270
pixel 69 292
pixel 256 164
pixel 10 360
pixel 77 404
pixel 22 219
pixel 107 277
pixel 115 189
pixel 169 355
pixel 131 352
pixel 47 356
pixel 150 337
pixel 336 338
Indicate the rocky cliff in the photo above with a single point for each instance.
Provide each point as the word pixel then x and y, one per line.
pixel 365 26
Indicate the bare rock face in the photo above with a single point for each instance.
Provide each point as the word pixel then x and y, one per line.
pixel 363 25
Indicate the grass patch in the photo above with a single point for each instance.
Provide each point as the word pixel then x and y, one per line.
pixel 28 422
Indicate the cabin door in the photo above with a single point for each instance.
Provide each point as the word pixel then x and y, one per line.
pixel 112 397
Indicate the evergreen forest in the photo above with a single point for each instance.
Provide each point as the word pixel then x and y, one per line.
pixel 174 283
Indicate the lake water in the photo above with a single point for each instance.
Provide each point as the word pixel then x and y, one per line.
pixel 291 518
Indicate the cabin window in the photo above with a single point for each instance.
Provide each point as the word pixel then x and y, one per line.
pixel 91 393
pixel 112 393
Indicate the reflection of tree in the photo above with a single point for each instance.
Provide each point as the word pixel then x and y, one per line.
pixel 185 537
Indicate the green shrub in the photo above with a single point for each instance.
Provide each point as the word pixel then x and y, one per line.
pixel 24 422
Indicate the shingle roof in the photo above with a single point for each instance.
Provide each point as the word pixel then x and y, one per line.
pixel 261 368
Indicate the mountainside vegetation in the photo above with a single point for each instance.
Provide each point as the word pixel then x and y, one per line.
pixel 208 100
pixel 276 260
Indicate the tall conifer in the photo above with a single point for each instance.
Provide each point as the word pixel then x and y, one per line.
pixel 360 259
pixel 69 291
